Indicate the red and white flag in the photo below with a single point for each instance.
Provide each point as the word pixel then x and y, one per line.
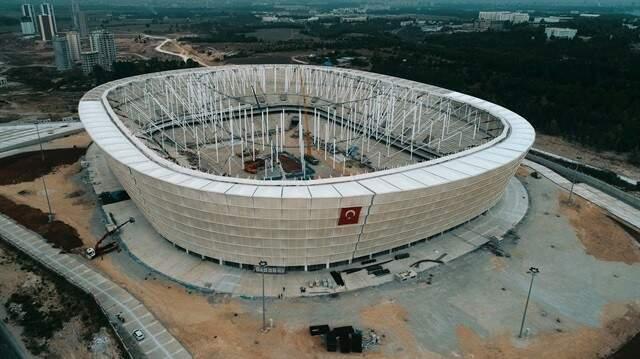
pixel 349 215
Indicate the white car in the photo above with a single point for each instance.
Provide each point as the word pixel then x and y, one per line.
pixel 138 334
pixel 402 276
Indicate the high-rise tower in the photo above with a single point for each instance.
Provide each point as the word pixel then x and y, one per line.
pixel 103 42
pixel 28 22
pixel 61 52
pixel 79 19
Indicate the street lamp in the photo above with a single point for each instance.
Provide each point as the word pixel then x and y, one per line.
pixel 263 265
pixel 533 271
pixel 44 184
pixel 575 178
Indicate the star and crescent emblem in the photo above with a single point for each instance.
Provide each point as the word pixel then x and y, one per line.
pixel 349 215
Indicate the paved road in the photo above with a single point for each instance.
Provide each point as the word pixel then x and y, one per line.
pixel 617 208
pixel 183 55
pixel 158 342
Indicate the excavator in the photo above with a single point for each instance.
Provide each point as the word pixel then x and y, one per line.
pixel 98 250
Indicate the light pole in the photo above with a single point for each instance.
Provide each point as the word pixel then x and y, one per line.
pixel 533 271
pixel 263 265
pixel 44 183
pixel 575 178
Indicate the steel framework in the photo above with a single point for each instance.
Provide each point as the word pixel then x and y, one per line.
pixel 356 117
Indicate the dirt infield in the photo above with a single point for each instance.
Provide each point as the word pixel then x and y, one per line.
pixel 58 233
pixel 25 167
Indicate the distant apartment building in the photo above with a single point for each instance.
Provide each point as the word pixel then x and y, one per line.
pixel 104 43
pixel 75 46
pixel 79 19
pixel 28 23
pixel 47 9
pixel 505 16
pixel 46 24
pixel 61 53
pixel 27 27
pixel 560 33
pixel 354 19
pixel 89 60
pixel 548 19
pixel 83 24
pixel 28 12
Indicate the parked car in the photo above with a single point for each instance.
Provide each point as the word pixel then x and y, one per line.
pixel 138 334
pixel 402 276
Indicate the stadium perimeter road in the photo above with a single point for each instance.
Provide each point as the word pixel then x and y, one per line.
pixel 158 342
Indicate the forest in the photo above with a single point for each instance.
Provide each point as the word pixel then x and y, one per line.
pixel 586 90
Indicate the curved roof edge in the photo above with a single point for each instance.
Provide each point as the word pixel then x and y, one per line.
pixel 112 136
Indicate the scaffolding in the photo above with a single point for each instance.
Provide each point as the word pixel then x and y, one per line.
pixel 217 121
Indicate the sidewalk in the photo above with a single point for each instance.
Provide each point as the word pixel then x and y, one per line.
pixel 111 297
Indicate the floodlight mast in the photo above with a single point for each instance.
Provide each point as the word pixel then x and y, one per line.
pixel 263 266
pixel 533 271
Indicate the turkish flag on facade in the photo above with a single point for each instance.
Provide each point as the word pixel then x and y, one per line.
pixel 349 215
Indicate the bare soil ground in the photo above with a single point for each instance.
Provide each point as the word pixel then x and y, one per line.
pixel 19 101
pixel 390 321
pixel 58 233
pixel 71 207
pixel 28 166
pixel 17 105
pixel 618 325
pixel 615 162
pixel 53 319
pixel 16 51
pixel 143 49
pixel 601 236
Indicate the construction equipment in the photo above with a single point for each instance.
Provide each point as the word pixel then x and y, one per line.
pixel 98 250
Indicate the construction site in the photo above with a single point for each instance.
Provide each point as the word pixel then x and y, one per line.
pixel 295 123
pixel 93 208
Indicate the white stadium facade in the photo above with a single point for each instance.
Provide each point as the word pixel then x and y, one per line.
pixel 304 167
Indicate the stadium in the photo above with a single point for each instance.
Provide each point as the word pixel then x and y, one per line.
pixel 304 167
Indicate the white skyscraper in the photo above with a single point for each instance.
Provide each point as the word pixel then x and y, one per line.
pixel 75 47
pixel 89 59
pixel 46 24
pixel 103 42
pixel 28 22
pixel 61 52
pixel 79 19
pixel 47 9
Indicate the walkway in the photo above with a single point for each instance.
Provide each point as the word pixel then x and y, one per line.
pixel 13 137
pixel 616 208
pixel 158 343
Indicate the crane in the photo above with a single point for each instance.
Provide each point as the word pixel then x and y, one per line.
pixel 93 252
